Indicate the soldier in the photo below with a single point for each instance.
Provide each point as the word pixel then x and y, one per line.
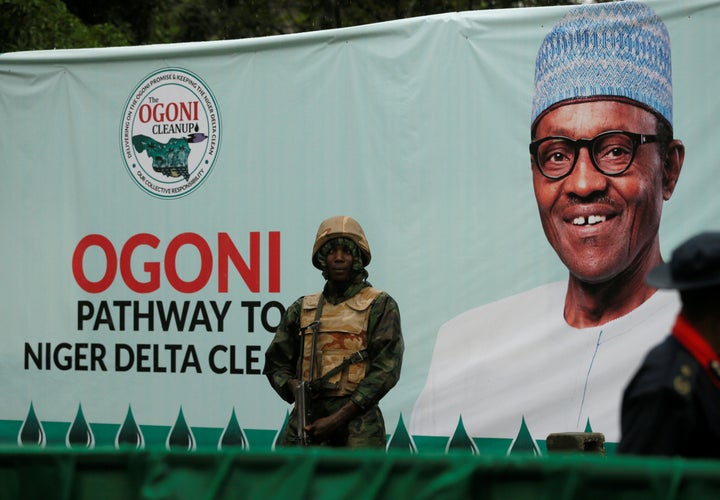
pixel 346 340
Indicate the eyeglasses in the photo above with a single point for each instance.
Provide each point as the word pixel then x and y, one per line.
pixel 612 152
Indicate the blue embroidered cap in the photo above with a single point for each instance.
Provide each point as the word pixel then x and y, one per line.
pixel 615 50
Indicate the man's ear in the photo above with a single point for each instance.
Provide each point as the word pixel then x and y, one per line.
pixel 674 158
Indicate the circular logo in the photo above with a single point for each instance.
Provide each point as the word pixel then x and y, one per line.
pixel 170 133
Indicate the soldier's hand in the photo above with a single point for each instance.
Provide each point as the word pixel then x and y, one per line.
pixel 323 427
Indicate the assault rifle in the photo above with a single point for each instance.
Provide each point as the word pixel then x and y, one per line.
pixel 303 388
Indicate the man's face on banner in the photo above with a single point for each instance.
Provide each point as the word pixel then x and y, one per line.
pixel 601 225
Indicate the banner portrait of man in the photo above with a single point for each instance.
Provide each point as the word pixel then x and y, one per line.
pixel 604 161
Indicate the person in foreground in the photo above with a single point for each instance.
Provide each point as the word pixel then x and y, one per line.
pixel 603 161
pixel 346 342
pixel 672 404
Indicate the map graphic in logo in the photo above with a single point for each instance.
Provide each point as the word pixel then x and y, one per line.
pixel 170 133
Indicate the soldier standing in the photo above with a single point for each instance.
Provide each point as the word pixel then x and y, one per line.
pixel 345 343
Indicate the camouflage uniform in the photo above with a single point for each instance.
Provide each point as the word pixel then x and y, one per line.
pixel 383 341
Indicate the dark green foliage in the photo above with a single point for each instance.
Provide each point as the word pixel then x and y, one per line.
pixel 49 24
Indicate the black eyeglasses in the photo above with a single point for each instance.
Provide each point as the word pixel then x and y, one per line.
pixel 612 152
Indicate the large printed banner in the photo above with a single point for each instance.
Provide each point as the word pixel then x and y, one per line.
pixel 159 206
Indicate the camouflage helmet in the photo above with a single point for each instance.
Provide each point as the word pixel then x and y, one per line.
pixel 341 226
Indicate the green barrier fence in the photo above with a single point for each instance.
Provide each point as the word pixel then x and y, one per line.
pixel 341 474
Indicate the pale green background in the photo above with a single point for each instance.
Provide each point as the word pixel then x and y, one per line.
pixel 418 128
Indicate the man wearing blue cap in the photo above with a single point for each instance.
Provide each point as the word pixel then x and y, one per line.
pixel 603 162
pixel 672 405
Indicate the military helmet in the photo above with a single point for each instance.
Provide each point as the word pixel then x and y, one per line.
pixel 341 226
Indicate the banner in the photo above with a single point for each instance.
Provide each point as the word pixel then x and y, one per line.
pixel 160 204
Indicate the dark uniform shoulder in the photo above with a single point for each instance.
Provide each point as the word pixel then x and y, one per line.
pixel 667 366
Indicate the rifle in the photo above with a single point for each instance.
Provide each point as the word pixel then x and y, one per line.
pixel 302 390
pixel 302 398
